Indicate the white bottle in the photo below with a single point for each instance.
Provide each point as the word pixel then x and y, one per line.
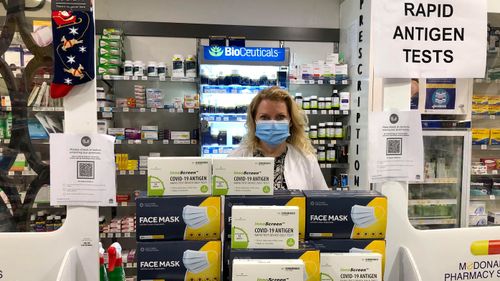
pixel 162 69
pixel 128 68
pixel 177 66
pixel 152 71
pixel 138 68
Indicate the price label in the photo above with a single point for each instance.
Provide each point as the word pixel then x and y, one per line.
pixel 165 141
pixel 130 141
pixel 191 110
pixel 6 141
pixel 126 109
pixel 321 141
pixel 123 173
pixel 126 77
pixel 131 173
pixel 11 173
pixel 36 108
pixel 107 115
pixel 135 78
pixel 142 173
pixel 102 235
pixel 106 77
pixel 323 112
pixel 225 119
pixel 492 117
pixel 142 109
pixel 320 82
pixel 127 234
pixel 154 110
pixel 336 112
pixel 180 110
pixel 26 173
pixel 322 166
pixel 329 166
pixel 137 141
pixel 218 119
pixel 118 235
pixel 494 172
pixel 144 78
pixel 46 76
pixel 162 78
pixel 307 111
pixel 110 235
pixel 344 82
pixel 332 82
pixel 314 112
pixel 150 141
pixel 171 110
pixel 345 112
pixel 484 147
pixel 492 197
pixel 118 141
pixel 106 109
pixel 311 81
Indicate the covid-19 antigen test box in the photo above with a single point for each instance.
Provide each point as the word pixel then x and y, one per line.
pixel 243 176
pixel 257 270
pixel 351 266
pixel 179 176
pixel 265 227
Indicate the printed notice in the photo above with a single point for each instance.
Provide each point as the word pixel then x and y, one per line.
pixel 82 170
pixel 71 5
pixel 397 149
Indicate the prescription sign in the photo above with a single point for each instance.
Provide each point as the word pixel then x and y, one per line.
pixel 430 39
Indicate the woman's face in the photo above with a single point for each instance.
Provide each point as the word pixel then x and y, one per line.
pixel 272 110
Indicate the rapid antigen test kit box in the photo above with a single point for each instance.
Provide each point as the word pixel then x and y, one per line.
pixel 178 176
pixel 243 176
pixel 345 214
pixel 265 227
pixel 258 270
pixel 351 266
pixel 280 198
pixel 178 260
pixel 178 218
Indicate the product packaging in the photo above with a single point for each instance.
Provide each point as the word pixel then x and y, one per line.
pixel 480 109
pixel 177 66
pixel 480 100
pixel 345 214
pixel 178 260
pixel 306 71
pixel 178 218
pixel 119 133
pixel 477 208
pixel 280 198
pixel 115 51
pixel 478 220
pixel 494 217
pixel 480 136
pixel 341 70
pixel 132 134
pixel 180 135
pixel 105 69
pixel 190 65
pixel 332 58
pixel 149 132
pixel 243 176
pixel 495 136
pixel 309 256
pixel 178 176
pixel 110 60
pixel 260 270
pixel 351 266
pixel 265 227
pixel 103 125
pixel 345 103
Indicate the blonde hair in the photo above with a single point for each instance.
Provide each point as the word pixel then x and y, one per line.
pixel 298 120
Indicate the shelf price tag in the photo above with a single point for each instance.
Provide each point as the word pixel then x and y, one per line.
pixel 106 77
pixel 311 81
pixel 165 141
pixel 142 173
pixel 494 172
pixel 107 115
pixel 492 117
pixel 130 141
pixel 131 173
pixel 110 235
pixel 345 112
pixel 102 235
pixel 191 110
pixel 150 141
pixel 344 82
pixel 162 78
pixel 46 76
pixel 329 166
pixel 484 147
pixel 126 77
pixel 124 204
pixel 118 235
pixel 180 110
pixel 126 109
pixel 332 82
pixel 142 109
pixel 322 166
pixel 323 112
pixel 492 197
pixel 11 173
pixel 137 141
pixel 144 78
pixel 336 112
pixel 135 78
pixel 314 112
pixel 154 109
pixel 6 141
pixel 123 172
pixel 320 82
pixel 126 234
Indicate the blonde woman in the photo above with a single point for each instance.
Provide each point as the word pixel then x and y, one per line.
pixel 275 127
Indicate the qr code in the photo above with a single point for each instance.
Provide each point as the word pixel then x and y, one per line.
pixel 394 146
pixel 85 170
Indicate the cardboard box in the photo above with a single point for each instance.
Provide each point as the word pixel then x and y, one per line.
pixel 494 217
pixel 178 218
pixel 478 220
pixel 351 266
pixel 265 227
pixel 345 214
pixel 480 136
pixel 178 176
pixel 495 136
pixel 280 198
pixel 243 176
pixel 252 270
pixel 178 260
pixel 309 256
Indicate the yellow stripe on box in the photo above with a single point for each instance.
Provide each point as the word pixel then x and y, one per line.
pixel 441 86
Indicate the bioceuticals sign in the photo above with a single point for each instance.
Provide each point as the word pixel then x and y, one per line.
pixel 243 54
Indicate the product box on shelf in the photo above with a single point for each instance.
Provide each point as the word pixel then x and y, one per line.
pixel 345 214
pixel 309 256
pixel 265 227
pixel 495 136
pixel 480 109
pixel 110 60
pixel 243 176
pixel 280 198
pixel 119 133
pixel 480 136
pixel 251 270
pixel 178 176
pixel 178 218
pixel 179 260
pixel 494 217
pixel 351 266
pixel 478 220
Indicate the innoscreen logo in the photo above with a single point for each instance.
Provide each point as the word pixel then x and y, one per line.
pixel 244 54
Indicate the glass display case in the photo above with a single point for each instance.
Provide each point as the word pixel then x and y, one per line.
pixel 436 202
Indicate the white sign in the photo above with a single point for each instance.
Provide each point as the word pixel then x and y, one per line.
pixel 396 147
pixel 82 170
pixel 430 39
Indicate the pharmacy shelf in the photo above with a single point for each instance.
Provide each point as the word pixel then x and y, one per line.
pixel 320 82
pixel 432 221
pixel 485 147
pixel 25 173
pixel 492 173
pixel 334 165
pixel 487 81
pixel 326 142
pixel 436 181
pixel 218 149
pixel 35 109
pixel 485 198
pixel 164 142
pixel 429 202
pixel 145 78
pixel 143 110
pixel 117 235
pixel 326 112
pixel 224 117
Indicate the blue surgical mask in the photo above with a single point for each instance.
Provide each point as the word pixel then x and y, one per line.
pixel 272 132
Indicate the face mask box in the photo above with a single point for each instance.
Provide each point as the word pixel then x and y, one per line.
pixel 495 136
pixel 351 266
pixel 178 218
pixel 345 214
pixel 243 176
pixel 480 136
pixel 280 198
pixel 178 260
pixel 251 270
pixel 265 227
pixel 178 176
pixel 310 257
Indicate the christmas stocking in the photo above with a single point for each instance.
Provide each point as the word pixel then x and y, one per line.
pixel 74 35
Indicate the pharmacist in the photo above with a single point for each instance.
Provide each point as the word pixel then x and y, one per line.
pixel 275 127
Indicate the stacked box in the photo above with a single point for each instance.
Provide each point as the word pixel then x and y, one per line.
pixel 111 54
pixel 140 96
pixel 154 98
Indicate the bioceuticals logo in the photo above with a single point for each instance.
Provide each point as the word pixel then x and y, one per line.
pixel 215 51
pixel 254 52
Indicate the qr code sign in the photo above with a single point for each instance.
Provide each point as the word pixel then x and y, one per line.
pixel 394 146
pixel 85 170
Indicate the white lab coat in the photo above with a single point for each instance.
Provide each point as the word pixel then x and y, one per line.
pixel 301 171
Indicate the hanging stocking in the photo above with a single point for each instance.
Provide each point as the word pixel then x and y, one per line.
pixel 74 35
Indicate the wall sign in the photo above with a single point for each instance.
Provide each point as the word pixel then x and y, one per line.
pixel 430 39
pixel 71 5
pixel 244 54
pixel 440 94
